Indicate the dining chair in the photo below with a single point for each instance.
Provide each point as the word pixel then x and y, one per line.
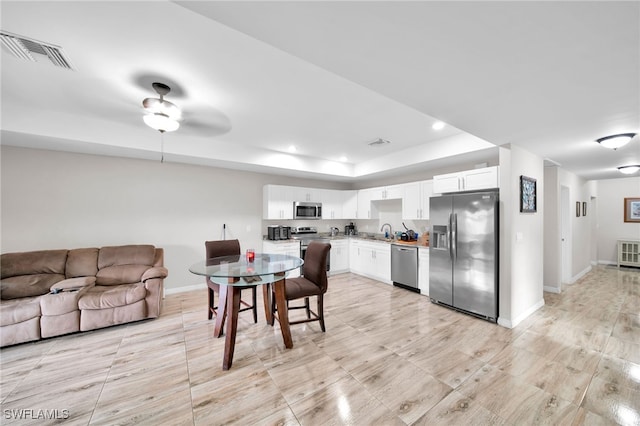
pixel 313 283
pixel 226 248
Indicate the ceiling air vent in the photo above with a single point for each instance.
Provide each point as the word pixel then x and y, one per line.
pixel 33 50
pixel 379 142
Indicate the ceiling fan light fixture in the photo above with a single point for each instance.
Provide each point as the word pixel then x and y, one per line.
pixel 160 106
pixel 629 170
pixel 161 122
pixel 616 141
pixel 161 115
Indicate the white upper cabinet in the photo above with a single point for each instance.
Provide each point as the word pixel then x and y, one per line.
pixel 468 180
pixel 313 195
pixel 332 201
pixel 350 205
pixel 415 201
pixel 365 196
pixel 277 202
pixel 387 192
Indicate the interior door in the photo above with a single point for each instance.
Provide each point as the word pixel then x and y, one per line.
pixel 474 227
pixel 440 272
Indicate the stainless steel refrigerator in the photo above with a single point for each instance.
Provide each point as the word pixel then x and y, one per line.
pixel 463 254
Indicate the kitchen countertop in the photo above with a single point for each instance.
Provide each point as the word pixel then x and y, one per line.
pixel 378 239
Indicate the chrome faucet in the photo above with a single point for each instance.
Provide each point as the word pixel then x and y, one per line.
pixel 390 230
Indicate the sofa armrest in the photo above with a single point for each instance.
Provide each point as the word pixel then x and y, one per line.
pixel 72 284
pixel 155 272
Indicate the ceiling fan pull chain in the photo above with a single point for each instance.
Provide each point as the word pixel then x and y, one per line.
pixel 161 147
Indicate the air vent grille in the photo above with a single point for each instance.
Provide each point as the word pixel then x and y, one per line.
pixel 379 142
pixel 29 49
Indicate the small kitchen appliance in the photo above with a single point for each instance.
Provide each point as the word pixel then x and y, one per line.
pixel 307 210
pixel 278 232
pixel 350 229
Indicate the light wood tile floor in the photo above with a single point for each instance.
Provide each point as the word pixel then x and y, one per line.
pixel 388 357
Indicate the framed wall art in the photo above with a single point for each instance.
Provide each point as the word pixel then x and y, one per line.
pixel 528 195
pixel 632 210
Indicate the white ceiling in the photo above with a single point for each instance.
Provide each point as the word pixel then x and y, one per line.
pixel 253 78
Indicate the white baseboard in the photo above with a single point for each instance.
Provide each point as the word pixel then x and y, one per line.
pixel 512 323
pixel 549 289
pixel 184 289
pixel 580 274
pixel 607 262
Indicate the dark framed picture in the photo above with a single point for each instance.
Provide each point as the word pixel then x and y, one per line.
pixel 632 210
pixel 528 194
pixel 584 208
pixel 577 208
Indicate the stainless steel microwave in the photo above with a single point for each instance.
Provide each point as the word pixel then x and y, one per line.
pixel 306 210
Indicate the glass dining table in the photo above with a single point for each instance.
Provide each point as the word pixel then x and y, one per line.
pixel 234 272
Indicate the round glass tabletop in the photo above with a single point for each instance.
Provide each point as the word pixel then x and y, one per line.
pixel 237 270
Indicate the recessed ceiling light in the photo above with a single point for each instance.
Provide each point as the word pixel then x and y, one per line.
pixel 629 170
pixel 292 149
pixel 343 158
pixel 438 125
pixel 616 141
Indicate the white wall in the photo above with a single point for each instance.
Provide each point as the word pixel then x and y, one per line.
pixel 610 214
pixel 63 200
pixel 521 238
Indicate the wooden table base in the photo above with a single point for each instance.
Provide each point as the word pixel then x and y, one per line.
pixel 229 306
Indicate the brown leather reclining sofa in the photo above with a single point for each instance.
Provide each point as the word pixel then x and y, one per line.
pixel 52 292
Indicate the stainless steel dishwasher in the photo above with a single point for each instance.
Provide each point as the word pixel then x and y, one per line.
pixel 404 267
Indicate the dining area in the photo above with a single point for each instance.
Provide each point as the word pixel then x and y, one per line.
pixel 228 273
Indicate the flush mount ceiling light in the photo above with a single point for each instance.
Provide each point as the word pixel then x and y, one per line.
pixel 438 125
pixel 629 170
pixel 161 115
pixel 616 141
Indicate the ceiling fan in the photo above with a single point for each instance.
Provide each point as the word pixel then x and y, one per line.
pixel 196 119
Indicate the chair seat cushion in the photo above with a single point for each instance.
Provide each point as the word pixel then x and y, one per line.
pixel 104 297
pixel 296 288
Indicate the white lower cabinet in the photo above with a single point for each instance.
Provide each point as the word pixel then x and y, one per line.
pixel 423 270
pixel 370 259
pixel 288 247
pixel 339 256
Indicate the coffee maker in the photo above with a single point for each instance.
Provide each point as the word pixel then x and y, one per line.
pixel 350 229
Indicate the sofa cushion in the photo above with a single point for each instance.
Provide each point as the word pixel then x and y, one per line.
pixel 82 263
pixel 103 297
pixel 33 262
pixel 27 285
pixel 121 274
pixel 124 264
pixel 126 255
pixel 17 311
pixel 59 304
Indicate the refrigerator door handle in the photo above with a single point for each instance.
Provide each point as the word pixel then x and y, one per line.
pixel 454 237
pixel 449 240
